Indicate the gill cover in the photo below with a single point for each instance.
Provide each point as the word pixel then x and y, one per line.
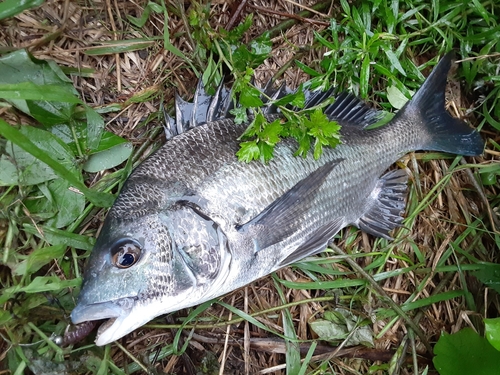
pixel 197 240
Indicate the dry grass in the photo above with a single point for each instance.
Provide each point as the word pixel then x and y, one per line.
pixel 64 31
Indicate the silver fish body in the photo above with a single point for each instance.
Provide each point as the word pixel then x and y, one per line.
pixel 192 223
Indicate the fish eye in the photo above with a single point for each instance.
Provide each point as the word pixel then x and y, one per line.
pixel 125 253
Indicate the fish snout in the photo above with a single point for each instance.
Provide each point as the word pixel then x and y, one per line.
pixel 103 310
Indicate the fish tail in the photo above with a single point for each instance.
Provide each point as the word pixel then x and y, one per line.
pixel 440 132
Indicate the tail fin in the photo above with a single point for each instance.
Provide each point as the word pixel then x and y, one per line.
pixel 442 132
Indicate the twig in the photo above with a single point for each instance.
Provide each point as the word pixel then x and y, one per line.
pixel 307 8
pixel 278 346
pixel 117 55
pixel 294 17
pixel 226 342
pixel 239 320
pixel 302 16
pixel 236 13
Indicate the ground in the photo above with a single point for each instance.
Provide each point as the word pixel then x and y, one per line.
pixel 451 225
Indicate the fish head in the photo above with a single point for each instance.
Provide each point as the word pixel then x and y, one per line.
pixel 152 265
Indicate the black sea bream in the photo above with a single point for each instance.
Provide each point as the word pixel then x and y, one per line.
pixel 193 223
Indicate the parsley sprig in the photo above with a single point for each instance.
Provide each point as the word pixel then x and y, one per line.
pixel 308 126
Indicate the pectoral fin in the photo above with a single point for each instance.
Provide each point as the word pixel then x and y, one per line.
pixel 388 204
pixel 284 216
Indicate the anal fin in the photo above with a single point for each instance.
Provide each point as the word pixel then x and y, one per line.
pixel 388 202
pixel 316 243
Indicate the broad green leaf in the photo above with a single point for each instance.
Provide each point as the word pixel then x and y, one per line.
pixel 37 259
pixel 5 317
pixel 64 202
pixel 47 283
pixel 297 99
pixel 250 97
pixel 393 59
pixel 240 115
pixel 265 151
pixel 30 83
pixel 108 158
pixel 271 132
pixel 18 166
pixel 260 48
pixel 33 91
pixel 78 132
pixel 234 36
pixel 39 285
pixel 465 353
pixel 341 323
pixel 248 151
pixel 396 97
pixel 489 274
pixel 60 237
pixel 481 9
pixel 492 332
pixel 95 127
pixel 9 8
pixel 364 76
pixel 15 136
pixel 306 69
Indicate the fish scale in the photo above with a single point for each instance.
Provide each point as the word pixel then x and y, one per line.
pixel 193 223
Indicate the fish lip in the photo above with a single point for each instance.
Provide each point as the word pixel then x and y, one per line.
pixel 114 314
pixel 111 312
pixel 102 310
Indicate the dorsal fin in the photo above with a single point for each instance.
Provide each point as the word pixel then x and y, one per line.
pixel 347 110
pixel 201 105
pixel 221 103
pixel 183 112
pixel 314 98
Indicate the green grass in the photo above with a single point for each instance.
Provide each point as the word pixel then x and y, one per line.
pixel 381 51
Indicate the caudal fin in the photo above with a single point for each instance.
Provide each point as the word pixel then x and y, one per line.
pixel 441 131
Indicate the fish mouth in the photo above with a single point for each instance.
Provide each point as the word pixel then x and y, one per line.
pixel 115 314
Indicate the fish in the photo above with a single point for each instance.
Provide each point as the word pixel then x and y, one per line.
pixel 192 223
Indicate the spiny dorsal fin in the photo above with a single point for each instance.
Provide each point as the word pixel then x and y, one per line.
pixel 169 124
pixel 183 111
pixel 221 103
pixel 347 110
pixel 387 206
pixel 201 105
